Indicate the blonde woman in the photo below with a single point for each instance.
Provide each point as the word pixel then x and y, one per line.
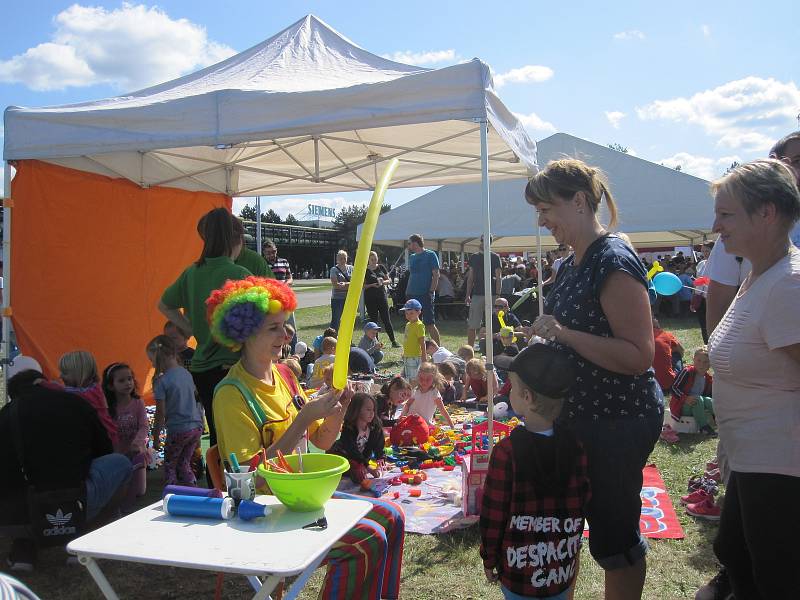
pixel 340 275
pixel 598 309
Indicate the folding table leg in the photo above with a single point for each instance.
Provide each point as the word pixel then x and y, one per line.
pixel 301 581
pixel 99 578
pixel 270 583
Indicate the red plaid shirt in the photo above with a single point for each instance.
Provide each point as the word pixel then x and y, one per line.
pixel 531 530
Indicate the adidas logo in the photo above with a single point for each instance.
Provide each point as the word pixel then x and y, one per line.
pixel 59 518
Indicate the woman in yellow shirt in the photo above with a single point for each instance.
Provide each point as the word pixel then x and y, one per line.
pixel 258 406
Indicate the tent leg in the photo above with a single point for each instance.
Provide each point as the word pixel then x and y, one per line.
pixel 5 347
pixel 258 224
pixel 488 291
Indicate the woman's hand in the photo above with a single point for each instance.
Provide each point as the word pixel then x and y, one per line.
pixel 322 406
pixel 547 327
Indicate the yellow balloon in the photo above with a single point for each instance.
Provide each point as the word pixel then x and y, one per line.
pixel 500 315
pixel 656 268
pixel 348 320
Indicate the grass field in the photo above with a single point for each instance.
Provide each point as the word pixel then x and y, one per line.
pixel 434 567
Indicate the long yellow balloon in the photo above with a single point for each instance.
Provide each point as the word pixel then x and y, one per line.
pixel 345 333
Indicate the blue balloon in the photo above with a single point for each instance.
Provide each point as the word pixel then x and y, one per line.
pixel 667 284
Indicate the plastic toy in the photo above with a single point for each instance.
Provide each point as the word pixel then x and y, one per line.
pixel 474 470
pixel 411 430
pixel 656 268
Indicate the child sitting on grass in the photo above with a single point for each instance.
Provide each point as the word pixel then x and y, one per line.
pixel 450 386
pixel 691 392
pixel 414 352
pixel 79 374
pixel 476 379
pixel 427 395
pixel 361 439
pixel 393 395
pixel 325 360
pixel 537 486
pixel 370 343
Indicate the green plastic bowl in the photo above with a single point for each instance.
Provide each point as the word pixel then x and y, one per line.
pixel 311 489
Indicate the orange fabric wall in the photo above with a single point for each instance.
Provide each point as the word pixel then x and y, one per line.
pixel 90 259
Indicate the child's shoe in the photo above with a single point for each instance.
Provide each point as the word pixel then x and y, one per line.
pixel 705 509
pixel 709 431
pixel 696 496
pixel 695 483
pixel 669 435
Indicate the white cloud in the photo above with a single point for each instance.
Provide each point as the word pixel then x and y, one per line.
pixel 430 57
pixel 526 74
pixel 706 31
pixel 131 47
pixel 535 123
pixel 747 115
pixel 700 166
pixel 614 117
pixel 295 206
pixel 630 34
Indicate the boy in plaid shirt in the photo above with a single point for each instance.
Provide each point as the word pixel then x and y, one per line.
pixel 537 486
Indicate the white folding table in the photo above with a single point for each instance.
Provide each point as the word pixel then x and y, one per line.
pixel 271 548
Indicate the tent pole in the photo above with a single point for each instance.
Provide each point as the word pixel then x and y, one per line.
pixel 5 347
pixel 487 281
pixel 258 224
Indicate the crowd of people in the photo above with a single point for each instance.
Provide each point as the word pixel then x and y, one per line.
pixel 588 378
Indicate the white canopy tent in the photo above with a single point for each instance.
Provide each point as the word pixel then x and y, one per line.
pixel 658 206
pixel 306 111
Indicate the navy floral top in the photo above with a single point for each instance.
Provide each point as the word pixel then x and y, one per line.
pixel 575 303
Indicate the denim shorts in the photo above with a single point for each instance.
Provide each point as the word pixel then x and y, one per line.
pixel 426 300
pixel 509 595
pixel 410 367
pixel 617 451
pixel 106 474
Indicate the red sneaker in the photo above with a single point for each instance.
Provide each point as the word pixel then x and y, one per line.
pixel 695 497
pixel 706 509
pixel 714 474
pixel 712 464
pixel 669 435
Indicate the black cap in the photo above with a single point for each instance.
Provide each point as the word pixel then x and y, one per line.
pixel 545 370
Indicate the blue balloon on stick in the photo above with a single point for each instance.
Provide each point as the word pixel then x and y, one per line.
pixel 667 284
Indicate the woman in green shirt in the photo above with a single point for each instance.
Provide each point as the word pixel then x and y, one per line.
pixel 184 302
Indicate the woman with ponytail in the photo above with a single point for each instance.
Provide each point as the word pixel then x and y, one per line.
pixel 598 309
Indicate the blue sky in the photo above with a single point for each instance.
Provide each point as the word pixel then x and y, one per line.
pixel 689 83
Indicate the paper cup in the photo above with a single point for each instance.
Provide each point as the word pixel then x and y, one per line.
pixel 241 486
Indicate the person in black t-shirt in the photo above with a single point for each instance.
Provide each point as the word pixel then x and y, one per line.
pixel 375 280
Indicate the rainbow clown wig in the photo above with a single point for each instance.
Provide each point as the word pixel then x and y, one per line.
pixel 236 310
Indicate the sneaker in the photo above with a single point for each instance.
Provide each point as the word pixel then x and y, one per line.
pixel 669 435
pixel 709 431
pixel 395 344
pixel 706 509
pixel 719 588
pixel 695 483
pixel 696 496
pixel 712 464
pixel 714 475
pixel 22 556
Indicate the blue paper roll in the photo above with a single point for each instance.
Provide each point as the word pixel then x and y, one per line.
pixel 198 506
pixel 185 490
pixel 249 510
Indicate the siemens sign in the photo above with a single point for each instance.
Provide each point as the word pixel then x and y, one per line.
pixel 321 211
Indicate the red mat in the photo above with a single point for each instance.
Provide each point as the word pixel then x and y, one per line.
pixel 658 518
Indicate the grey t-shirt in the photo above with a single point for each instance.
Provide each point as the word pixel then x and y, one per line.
pixel 176 389
pixel 340 275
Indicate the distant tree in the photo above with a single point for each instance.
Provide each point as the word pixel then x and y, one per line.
pixel 271 217
pixel 678 168
pixel 348 219
pixel 248 213
pixel 291 220
pixel 618 147
pixel 734 164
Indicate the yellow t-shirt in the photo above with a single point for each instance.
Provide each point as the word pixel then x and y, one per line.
pixel 415 330
pixel 237 431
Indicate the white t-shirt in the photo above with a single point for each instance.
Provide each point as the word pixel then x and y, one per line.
pixel 424 403
pixel 756 384
pixel 442 354
pixel 725 269
pixel 700 270
pixel 557 264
